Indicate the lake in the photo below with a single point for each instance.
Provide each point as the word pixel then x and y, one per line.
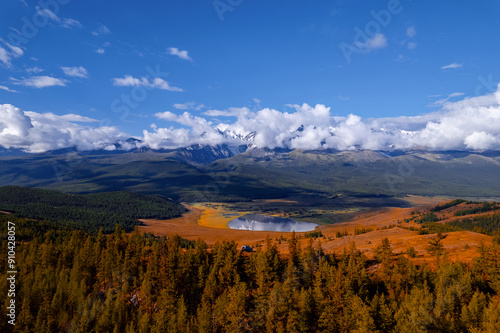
pixel 257 222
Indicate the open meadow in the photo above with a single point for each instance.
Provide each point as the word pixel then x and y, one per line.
pixel 366 228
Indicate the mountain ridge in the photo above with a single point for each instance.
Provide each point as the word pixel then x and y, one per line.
pixel 205 173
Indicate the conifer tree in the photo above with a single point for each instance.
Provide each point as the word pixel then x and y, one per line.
pixel 434 246
pixel 415 313
pixel 472 313
pixel 491 317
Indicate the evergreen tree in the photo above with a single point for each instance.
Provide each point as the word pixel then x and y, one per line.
pixel 415 313
pixel 491 317
pixel 472 313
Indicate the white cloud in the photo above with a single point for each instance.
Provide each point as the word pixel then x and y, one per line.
pixel 4 56
pixel 100 50
pixel 47 13
pixel 38 132
pixel 66 117
pixel 156 83
pixel 14 126
pixel 412 45
pixel 102 30
pixel 231 112
pixel 75 71
pixel 201 132
pixel 189 106
pixel 471 123
pixel 65 22
pixel 181 54
pixel 443 101
pixel 15 51
pixel 452 65
pixel 71 23
pixel 7 89
pixel 411 32
pixel 9 52
pixel 40 81
pixel 482 141
pixel 376 42
pixel 34 70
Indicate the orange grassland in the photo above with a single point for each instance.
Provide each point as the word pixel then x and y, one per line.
pixel 207 223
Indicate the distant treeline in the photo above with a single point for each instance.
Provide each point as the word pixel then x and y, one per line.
pixel 71 281
pixel 429 217
pixel 485 207
pixel 447 205
pixel 88 212
pixel 488 224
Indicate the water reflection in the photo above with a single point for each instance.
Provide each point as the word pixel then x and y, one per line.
pixel 256 222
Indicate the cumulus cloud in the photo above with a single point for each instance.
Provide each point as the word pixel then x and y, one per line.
pixel 40 81
pixel 472 123
pixel 379 41
pixel 155 83
pixel 75 71
pixel 38 132
pixel 181 54
pixel 482 140
pixel 14 126
pixel 467 124
pixel 198 131
pixel 452 66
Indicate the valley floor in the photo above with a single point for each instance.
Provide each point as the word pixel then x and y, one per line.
pixel 209 223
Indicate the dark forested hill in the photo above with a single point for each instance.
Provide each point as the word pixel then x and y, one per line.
pixel 259 173
pixel 89 212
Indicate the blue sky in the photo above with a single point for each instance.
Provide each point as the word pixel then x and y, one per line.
pixel 123 62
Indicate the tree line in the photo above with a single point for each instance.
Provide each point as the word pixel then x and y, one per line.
pixel 73 281
pixel 88 212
